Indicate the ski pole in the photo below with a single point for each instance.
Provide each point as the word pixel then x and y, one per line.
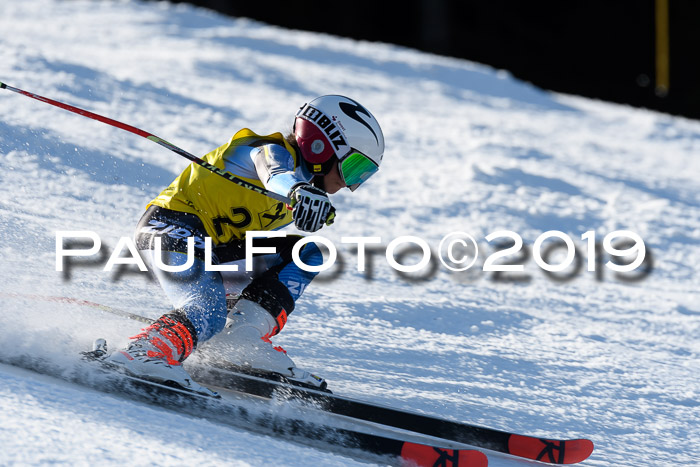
pixel 227 175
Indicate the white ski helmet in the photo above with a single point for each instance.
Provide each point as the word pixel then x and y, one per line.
pixel 333 128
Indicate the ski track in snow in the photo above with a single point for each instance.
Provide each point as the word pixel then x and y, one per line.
pixel 468 148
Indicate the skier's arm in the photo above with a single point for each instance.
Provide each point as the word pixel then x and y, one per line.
pixel 275 168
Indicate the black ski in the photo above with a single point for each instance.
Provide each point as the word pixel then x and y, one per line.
pixel 553 451
pixel 260 419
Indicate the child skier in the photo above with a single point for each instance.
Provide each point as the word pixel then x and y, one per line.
pixel 335 143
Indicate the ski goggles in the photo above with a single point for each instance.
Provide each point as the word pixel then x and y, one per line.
pixel 355 168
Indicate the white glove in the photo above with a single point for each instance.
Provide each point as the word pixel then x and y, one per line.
pixel 311 208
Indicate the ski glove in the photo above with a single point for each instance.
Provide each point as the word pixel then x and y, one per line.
pixel 311 208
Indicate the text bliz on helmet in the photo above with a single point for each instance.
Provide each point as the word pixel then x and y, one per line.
pixel 318 117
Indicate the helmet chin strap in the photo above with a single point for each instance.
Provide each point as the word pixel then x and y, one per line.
pixel 319 181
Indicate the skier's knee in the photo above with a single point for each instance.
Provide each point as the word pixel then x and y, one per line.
pixel 311 255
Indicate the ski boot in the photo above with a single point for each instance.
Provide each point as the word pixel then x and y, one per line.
pixel 245 344
pixel 158 352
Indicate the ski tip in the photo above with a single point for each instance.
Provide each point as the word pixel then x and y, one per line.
pixel 553 451
pixel 423 455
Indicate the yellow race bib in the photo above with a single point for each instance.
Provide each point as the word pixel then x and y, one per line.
pixel 227 210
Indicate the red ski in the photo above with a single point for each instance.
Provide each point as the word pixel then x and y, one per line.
pixel 422 455
pixel 553 451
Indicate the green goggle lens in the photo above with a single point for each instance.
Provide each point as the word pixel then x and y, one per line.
pixel 356 168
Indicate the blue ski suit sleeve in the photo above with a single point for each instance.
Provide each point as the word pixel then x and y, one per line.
pixel 277 170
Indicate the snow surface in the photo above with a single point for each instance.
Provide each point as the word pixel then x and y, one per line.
pixel 468 148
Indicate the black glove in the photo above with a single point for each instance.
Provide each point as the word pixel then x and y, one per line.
pixel 311 208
